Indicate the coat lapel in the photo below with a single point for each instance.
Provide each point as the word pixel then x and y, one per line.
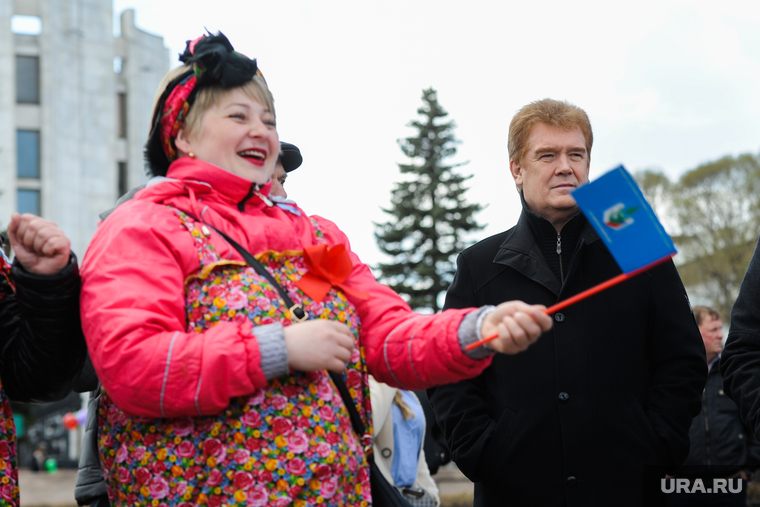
pixel 521 252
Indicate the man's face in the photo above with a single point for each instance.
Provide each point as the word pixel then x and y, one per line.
pixel 555 163
pixel 278 181
pixel 712 335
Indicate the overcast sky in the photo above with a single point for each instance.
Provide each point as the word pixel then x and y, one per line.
pixel 667 84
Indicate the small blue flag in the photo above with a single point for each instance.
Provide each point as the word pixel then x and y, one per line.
pixel 625 221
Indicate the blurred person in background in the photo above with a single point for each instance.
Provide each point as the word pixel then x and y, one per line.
pixel 722 446
pixel 399 426
pixel 289 160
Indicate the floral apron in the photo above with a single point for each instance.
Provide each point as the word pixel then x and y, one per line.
pixel 289 444
pixel 8 470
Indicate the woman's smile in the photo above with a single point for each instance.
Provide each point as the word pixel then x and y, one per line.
pixel 238 135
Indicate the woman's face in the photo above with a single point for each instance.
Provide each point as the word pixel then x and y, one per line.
pixel 238 135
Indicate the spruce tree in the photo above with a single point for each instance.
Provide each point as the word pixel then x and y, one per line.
pixel 429 213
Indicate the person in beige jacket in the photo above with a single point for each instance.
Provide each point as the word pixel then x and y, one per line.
pixel 419 490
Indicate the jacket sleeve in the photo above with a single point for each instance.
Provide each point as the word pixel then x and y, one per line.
pixel 753 452
pixel 404 349
pixel 678 367
pixel 462 411
pixel 42 344
pixel 90 485
pixel 740 360
pixel 133 313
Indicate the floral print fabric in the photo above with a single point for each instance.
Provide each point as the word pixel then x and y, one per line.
pixel 8 470
pixel 289 444
pixel 8 456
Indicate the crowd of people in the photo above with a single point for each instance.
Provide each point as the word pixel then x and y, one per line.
pixel 240 353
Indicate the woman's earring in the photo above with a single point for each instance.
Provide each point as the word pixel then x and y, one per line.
pixel 191 155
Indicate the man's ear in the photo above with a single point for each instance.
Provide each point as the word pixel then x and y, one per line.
pixel 181 141
pixel 517 172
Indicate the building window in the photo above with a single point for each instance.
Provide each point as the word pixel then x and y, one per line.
pixel 123 179
pixel 28 201
pixel 26 25
pixel 118 64
pixel 27 154
pixel 121 115
pixel 27 80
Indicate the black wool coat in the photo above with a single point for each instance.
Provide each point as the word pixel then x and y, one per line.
pixel 42 348
pixel 611 388
pixel 721 445
pixel 740 361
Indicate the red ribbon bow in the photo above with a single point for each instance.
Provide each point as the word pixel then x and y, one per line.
pixel 328 267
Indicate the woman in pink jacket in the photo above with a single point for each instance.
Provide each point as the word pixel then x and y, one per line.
pixel 216 389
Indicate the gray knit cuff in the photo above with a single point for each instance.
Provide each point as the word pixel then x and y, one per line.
pixel 274 353
pixel 469 332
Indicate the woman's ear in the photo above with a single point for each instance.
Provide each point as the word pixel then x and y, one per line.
pixel 182 142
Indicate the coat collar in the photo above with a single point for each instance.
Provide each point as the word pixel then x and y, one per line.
pixel 226 186
pixel 520 250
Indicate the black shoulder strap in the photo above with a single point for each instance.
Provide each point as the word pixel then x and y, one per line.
pixel 296 310
pixel 356 420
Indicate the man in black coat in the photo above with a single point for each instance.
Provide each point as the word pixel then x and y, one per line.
pixel 612 388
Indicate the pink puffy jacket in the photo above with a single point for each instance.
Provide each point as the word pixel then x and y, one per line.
pixel 133 301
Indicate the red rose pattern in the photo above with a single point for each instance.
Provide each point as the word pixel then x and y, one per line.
pixel 289 444
pixel 186 449
pixel 8 467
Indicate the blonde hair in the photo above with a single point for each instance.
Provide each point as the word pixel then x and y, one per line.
pixel 405 410
pixel 556 113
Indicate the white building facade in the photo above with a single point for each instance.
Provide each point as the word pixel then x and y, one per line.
pixel 75 108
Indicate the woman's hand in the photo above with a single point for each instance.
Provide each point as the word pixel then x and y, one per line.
pixel 39 245
pixel 319 345
pixel 517 324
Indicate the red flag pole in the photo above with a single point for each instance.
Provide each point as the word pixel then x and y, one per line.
pixel 583 295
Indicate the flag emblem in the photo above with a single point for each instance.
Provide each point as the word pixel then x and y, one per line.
pixel 610 203
pixel 618 216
